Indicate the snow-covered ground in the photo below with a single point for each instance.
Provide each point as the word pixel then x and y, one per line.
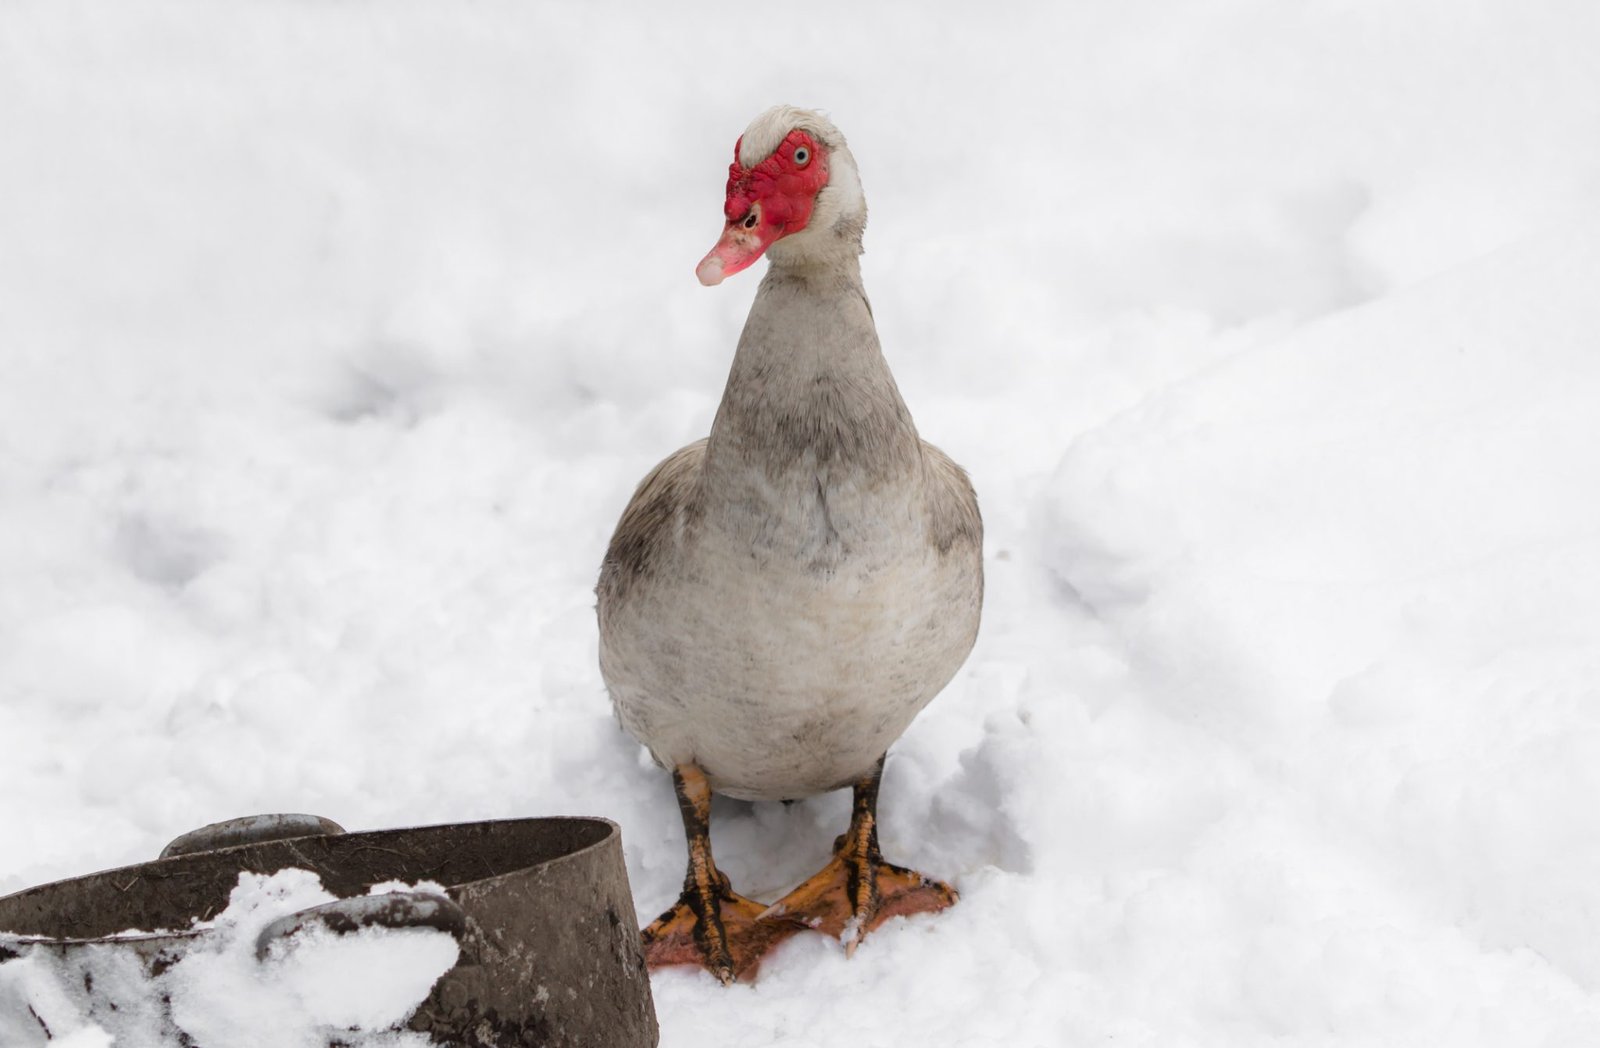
pixel 333 338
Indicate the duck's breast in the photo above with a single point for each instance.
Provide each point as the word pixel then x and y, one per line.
pixel 793 645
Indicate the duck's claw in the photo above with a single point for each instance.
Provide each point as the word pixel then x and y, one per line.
pixel 726 938
pixel 854 894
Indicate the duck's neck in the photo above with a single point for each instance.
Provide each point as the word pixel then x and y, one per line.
pixel 810 398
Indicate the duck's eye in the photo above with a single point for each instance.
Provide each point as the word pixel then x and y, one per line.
pixel 750 220
pixel 802 156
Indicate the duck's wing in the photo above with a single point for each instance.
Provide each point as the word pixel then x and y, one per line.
pixel 955 527
pixel 653 526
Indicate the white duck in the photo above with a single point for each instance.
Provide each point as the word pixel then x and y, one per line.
pixel 781 599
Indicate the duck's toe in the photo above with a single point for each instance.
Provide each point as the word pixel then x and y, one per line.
pixel 854 894
pixel 727 938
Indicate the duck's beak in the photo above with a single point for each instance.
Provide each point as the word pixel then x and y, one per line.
pixel 743 241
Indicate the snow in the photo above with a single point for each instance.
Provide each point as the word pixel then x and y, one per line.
pixel 334 338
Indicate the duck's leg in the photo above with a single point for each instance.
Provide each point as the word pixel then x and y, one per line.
pixel 710 925
pixel 857 890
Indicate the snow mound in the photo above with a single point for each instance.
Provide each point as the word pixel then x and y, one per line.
pixel 1361 565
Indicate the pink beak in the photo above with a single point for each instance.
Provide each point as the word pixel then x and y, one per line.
pixel 737 249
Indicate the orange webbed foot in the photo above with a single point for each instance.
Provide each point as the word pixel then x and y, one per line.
pixel 728 939
pixel 857 891
pixel 852 896
pixel 710 925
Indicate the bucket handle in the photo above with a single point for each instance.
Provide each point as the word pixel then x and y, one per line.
pixel 392 910
pixel 251 829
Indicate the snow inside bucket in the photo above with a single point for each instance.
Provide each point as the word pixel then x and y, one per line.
pixel 360 987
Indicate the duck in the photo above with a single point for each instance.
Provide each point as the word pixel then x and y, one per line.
pixel 781 598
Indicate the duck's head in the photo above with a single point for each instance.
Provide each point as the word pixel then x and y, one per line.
pixel 793 195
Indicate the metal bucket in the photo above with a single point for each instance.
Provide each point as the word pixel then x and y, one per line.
pixel 550 951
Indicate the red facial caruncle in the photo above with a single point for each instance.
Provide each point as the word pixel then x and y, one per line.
pixel 766 203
